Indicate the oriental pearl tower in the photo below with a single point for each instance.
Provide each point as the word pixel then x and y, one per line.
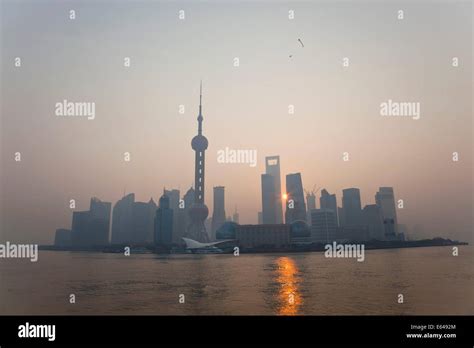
pixel 198 211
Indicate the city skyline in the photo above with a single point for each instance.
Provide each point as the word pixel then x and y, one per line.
pixel 175 217
pixel 250 160
pixel 138 110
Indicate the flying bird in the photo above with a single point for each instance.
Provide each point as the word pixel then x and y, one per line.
pixel 302 45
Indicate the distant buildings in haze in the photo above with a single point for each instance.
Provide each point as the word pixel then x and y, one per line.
pixel 272 212
pixel 218 215
pixel 163 235
pixel 351 205
pixel 122 231
pixel 133 222
pixel 144 223
pixel 385 199
pixel 328 201
pixel 295 202
pixel 323 225
pixel 91 228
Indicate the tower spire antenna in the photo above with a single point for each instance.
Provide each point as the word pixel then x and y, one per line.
pixel 200 118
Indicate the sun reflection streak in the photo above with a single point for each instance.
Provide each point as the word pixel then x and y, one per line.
pixel 288 294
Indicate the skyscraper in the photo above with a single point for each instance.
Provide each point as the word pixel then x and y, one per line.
pixel 352 206
pixel 143 215
pixel 235 217
pixel 311 201
pixel 295 203
pixel 218 214
pixel 91 228
pixel 178 226
pixel 122 220
pixel 310 204
pixel 385 199
pixel 199 211
pixel 372 217
pixel 272 167
pixel 79 230
pixel 62 238
pixel 132 222
pixel 323 227
pixel 328 201
pixel 99 225
pixel 268 199
pixel 163 235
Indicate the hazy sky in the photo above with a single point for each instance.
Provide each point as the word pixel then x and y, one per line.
pixel 337 109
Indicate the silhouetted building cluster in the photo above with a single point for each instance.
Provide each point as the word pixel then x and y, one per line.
pixel 175 217
pixel 145 223
pixel 132 222
pixel 141 223
pixel 329 222
pixel 351 221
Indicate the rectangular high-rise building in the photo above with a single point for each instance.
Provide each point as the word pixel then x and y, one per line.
pixel 329 202
pixel 122 232
pixel 62 238
pixel 372 218
pixel 91 228
pixel 311 201
pixel 385 199
pixel 268 199
pixel 310 204
pixel 218 214
pixel 323 226
pixel 178 222
pixel 143 217
pixel 100 221
pixel 235 217
pixel 272 167
pixel 163 229
pixel 295 203
pixel 79 230
pixel 352 206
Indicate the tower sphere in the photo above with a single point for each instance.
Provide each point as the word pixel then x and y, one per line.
pixel 199 143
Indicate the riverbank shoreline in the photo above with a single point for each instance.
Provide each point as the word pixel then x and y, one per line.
pixel 314 247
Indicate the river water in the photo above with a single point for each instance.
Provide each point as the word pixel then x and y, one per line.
pixel 431 280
